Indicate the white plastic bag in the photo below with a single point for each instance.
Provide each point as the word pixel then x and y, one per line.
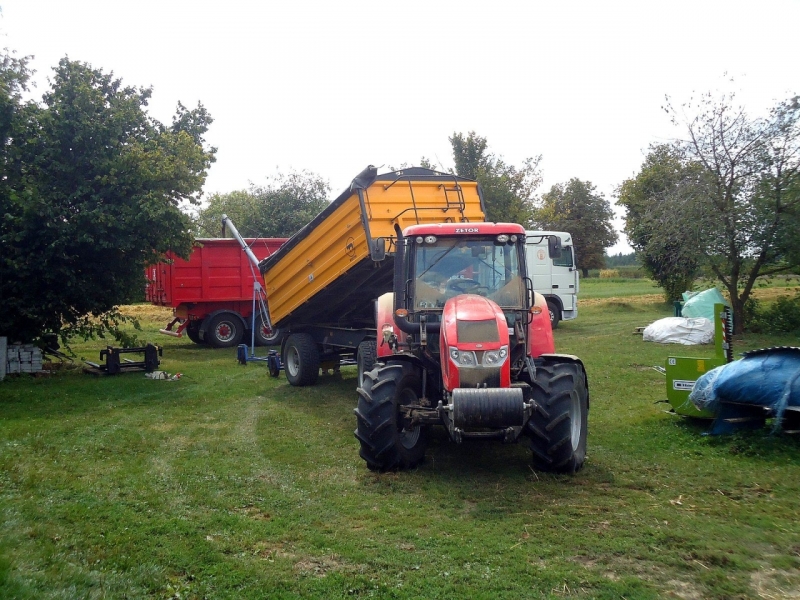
pixel 680 330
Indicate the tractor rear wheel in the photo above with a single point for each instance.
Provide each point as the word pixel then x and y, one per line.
pixel 388 439
pixel 301 360
pixel 365 358
pixel 558 426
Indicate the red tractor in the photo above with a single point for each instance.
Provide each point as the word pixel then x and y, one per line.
pixel 466 343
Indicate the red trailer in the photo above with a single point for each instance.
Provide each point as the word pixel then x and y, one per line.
pixel 211 294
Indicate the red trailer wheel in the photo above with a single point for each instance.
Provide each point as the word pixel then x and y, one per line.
pixel 224 331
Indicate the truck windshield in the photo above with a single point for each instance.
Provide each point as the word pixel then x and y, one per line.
pixel 448 267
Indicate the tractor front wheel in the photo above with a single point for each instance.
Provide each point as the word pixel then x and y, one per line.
pixel 558 426
pixel 388 439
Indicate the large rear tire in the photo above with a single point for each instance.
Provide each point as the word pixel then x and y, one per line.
pixel 301 360
pixel 224 331
pixel 388 441
pixel 558 426
pixel 365 359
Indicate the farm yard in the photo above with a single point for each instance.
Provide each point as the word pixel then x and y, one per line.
pixel 230 484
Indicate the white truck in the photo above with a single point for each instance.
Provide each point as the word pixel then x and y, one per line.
pixel 555 277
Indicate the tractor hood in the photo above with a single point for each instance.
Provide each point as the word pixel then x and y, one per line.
pixel 474 343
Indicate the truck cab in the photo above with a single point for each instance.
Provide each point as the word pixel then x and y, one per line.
pixel 554 274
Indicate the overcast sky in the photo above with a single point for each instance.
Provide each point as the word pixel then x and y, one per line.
pixel 334 86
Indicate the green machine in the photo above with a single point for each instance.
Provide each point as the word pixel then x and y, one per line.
pixel 683 371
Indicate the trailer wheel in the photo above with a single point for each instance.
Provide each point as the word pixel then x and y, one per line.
pixel 388 440
pixel 193 332
pixel 224 331
pixel 365 359
pixel 301 360
pixel 265 337
pixel 558 426
pixel 555 313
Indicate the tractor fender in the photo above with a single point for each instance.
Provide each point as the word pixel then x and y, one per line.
pixel 384 317
pixel 540 332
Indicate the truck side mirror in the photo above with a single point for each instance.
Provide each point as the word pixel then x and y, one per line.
pixel 554 246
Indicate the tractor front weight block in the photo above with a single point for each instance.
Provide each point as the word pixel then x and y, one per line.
pixel 488 407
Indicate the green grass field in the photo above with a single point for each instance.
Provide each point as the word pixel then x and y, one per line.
pixel 230 484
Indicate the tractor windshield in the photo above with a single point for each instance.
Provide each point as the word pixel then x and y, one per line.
pixel 446 267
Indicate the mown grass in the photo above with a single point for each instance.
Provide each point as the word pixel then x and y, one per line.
pixel 229 484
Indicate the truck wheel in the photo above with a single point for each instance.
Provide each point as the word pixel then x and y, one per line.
pixel 558 426
pixel 301 360
pixel 224 331
pixel 265 337
pixel 388 441
pixel 555 313
pixel 365 358
pixel 193 332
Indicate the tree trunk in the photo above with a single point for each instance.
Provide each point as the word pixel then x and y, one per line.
pixel 737 304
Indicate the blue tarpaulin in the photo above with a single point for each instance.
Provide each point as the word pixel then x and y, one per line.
pixel 768 378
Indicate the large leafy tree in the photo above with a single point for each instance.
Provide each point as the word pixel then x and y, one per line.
pixel 651 200
pixel 744 220
pixel 577 207
pixel 508 191
pixel 279 208
pixel 93 190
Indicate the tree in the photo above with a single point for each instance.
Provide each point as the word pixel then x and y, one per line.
pixel 621 260
pixel 651 200
pixel 745 224
pixel 93 189
pixel 278 209
pixel 578 208
pixel 508 192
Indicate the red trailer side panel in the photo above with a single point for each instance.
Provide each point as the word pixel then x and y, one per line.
pixel 217 271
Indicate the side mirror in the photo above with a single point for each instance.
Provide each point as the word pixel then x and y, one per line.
pixel 378 250
pixel 554 246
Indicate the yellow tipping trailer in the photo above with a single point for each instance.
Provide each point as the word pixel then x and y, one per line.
pixel 322 284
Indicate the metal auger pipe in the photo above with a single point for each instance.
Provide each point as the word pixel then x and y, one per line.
pixel 227 223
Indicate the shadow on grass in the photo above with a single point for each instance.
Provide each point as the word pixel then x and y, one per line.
pixel 763 444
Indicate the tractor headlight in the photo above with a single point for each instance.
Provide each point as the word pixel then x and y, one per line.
pixel 463 358
pixel 495 358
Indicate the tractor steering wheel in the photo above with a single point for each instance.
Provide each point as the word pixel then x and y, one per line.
pixel 466 286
